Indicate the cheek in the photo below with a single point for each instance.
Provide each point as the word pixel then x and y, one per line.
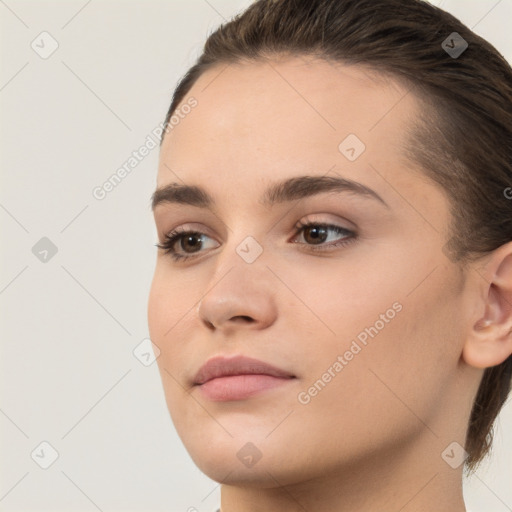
pixel 163 316
pixel 165 309
pixel 170 303
pixel 341 301
pixel 384 394
pixel 399 345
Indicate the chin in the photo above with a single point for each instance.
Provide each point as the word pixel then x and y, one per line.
pixel 264 475
pixel 264 464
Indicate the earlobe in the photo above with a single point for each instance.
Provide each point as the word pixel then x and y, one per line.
pixel 489 341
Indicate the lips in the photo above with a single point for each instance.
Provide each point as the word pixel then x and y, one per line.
pixel 224 379
pixel 220 366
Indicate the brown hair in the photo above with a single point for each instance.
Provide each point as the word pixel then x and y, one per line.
pixel 463 140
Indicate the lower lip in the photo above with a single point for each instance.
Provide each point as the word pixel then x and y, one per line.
pixel 239 387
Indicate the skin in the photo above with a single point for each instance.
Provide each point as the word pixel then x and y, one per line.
pixel 373 437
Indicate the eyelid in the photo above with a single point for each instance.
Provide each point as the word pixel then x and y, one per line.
pixel 187 226
pixel 327 218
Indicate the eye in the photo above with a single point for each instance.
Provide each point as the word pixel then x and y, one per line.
pixel 314 233
pixel 187 239
pixel 318 232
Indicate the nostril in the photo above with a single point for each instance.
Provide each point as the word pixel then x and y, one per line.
pixel 243 317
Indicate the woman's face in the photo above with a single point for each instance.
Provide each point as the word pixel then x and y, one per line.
pixel 366 317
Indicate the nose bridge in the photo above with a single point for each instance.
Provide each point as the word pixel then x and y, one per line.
pixel 241 286
pixel 245 240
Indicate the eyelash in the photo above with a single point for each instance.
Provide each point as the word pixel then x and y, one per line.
pixel 178 234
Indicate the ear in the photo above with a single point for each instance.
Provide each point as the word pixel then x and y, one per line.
pixel 489 341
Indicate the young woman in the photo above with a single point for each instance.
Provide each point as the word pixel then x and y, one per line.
pixel 332 297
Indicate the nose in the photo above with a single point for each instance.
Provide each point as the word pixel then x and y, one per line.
pixel 238 301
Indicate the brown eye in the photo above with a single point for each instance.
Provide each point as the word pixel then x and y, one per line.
pixel 315 233
pixel 182 244
pixel 192 241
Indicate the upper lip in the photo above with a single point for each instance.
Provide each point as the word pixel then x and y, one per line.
pixel 221 366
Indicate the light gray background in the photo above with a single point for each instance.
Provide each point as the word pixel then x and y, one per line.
pixel 69 326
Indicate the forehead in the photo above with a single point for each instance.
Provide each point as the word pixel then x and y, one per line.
pixel 256 120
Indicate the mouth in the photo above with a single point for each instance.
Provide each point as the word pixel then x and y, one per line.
pixel 238 378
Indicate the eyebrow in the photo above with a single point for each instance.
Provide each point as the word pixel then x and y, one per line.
pixel 290 189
